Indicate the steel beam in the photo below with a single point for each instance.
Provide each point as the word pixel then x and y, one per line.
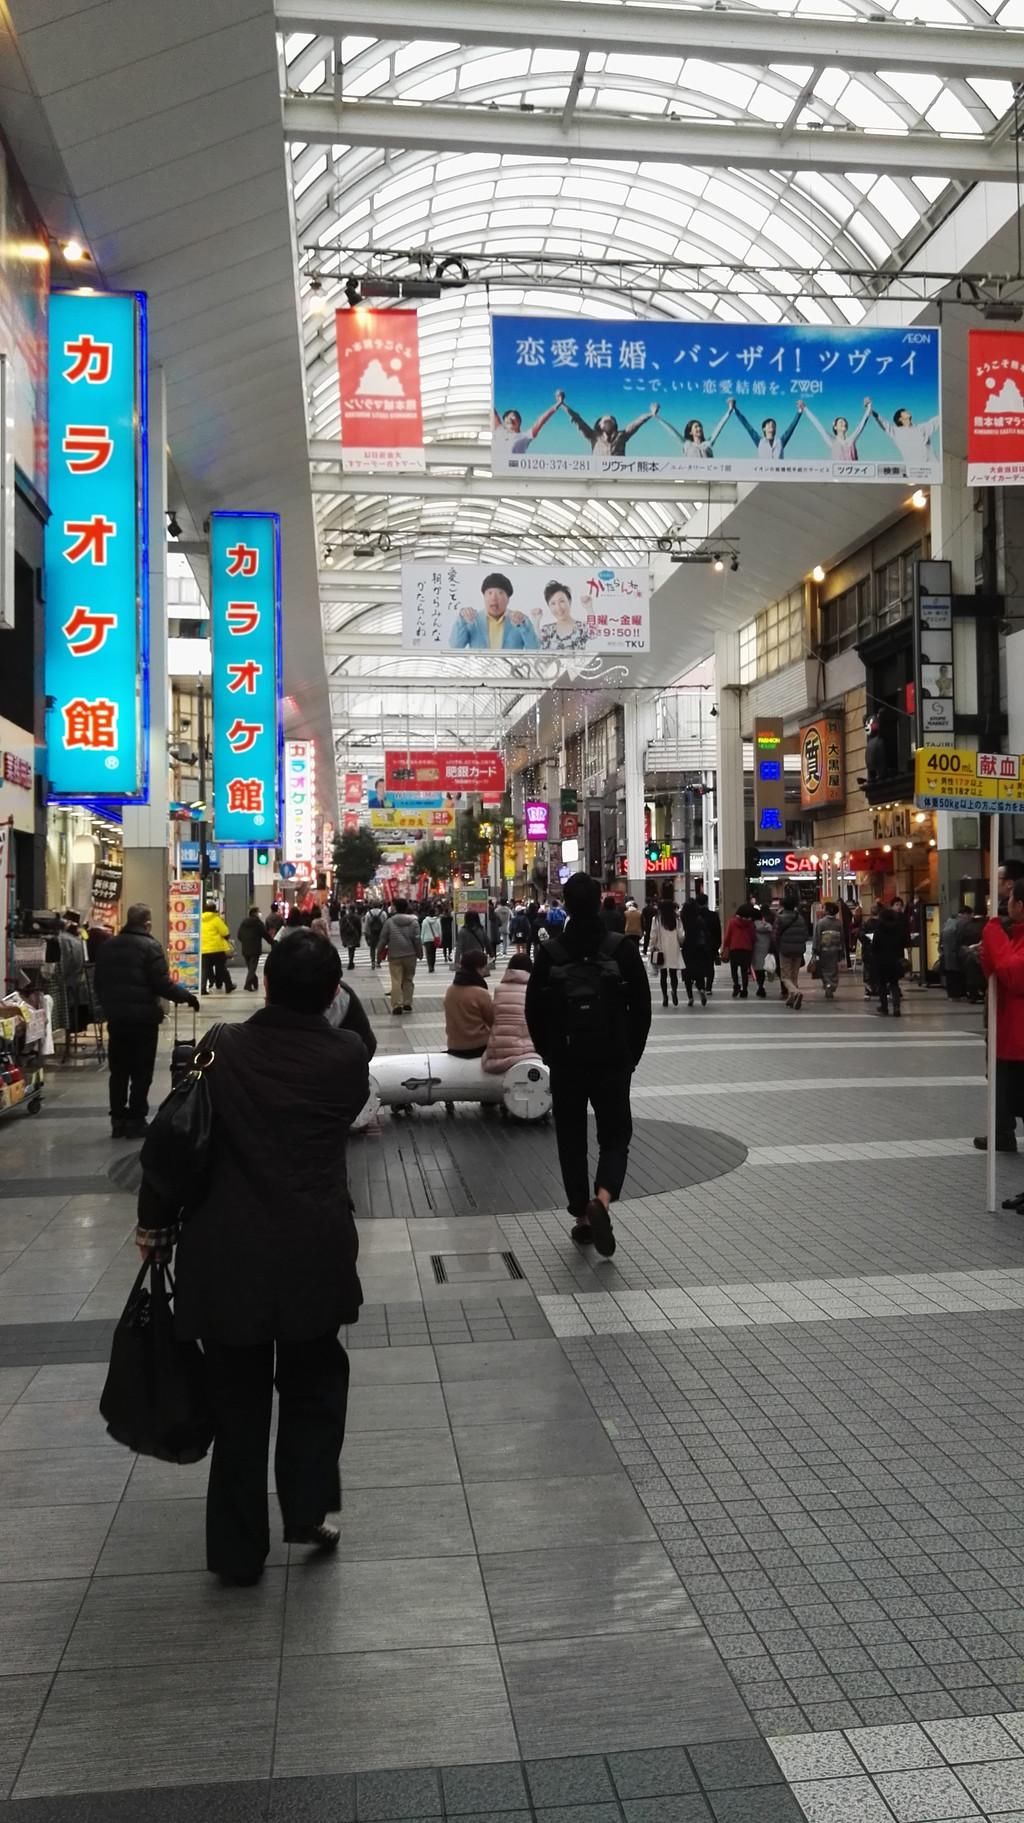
pixel 394 126
pixel 438 455
pixel 359 585
pixel 522 487
pixel 724 36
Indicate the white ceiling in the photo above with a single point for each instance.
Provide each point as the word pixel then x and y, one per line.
pixel 153 128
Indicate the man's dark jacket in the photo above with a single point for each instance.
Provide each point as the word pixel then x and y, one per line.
pixel 132 978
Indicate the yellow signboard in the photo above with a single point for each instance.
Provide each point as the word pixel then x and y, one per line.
pixel 953 778
pixel 436 822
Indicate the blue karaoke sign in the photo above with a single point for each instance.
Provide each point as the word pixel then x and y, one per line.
pixel 96 552
pixel 245 615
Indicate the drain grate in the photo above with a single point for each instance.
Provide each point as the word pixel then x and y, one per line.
pixel 461 1268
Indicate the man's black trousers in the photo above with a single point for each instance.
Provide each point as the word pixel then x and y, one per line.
pixel 312 1383
pixel 606 1090
pixel 132 1054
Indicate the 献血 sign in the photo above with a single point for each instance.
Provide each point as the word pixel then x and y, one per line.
pixel 245 602
pixel 96 579
pixel 953 778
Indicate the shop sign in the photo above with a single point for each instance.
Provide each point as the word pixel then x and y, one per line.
pixel 569 826
pixel 784 861
pixel 379 382
pixel 536 816
pixel 769 777
pixel 419 822
pixel 184 930
pixel 822 770
pixel 17 776
pixel 892 824
pixel 953 778
pixel 96 570
pixel 995 408
pixel 189 857
pixel 665 864
pixel 17 771
pixel 300 803
pixel 569 798
pixel 934 692
pixel 245 615
pixel 470 771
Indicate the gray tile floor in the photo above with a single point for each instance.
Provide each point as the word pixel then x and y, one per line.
pixel 582 1575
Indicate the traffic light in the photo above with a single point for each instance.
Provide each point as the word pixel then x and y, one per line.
pixel 263 857
pixel 654 851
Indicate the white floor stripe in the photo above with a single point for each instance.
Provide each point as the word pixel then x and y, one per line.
pixel 858 1152
pixel 890 1041
pixel 792 1085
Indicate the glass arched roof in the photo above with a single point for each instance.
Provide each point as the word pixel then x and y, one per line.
pixel 353 205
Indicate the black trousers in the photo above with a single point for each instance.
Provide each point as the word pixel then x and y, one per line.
pixel 1009 1100
pixel 132 1053
pixel 351 948
pixel 887 985
pixel 430 951
pixel 312 1383
pixel 667 975
pixel 739 968
pixel 251 976
pixel 606 1091
pixel 372 947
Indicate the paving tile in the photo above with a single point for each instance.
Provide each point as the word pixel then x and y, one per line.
pixel 171 1533
pixel 731 1765
pixel 381 1795
pixel 842 1801
pixel 183 1619
pixel 400 1709
pixel 423 1458
pixel 555 1594
pixel 392 1366
pixel 331 1799
pixel 582 1813
pixel 923 1796
pixel 543 1514
pixel 514 1400
pixel 996 1787
pixel 415 1407
pixel 977 1738
pixel 375 1605
pixel 51 1543
pixel 583 1779
pixel 663 1810
pixel 613 1693
pixel 814 1756
pixel 241 1802
pixel 474 1788
pixel 23 1698
pixel 405 1522
pixel 36 1619
pixel 180 1724
pixel 511 1452
pixel 893 1749
pixel 769 1804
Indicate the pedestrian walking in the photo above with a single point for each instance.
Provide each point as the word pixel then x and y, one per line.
pixel 266 1261
pixel 762 948
pixel 889 959
pixel 647 917
pixel 252 934
pixel 400 946
pixel 430 937
pixel 373 925
pixel 698 955
pixel 612 915
pixel 1002 955
pixel 510 1035
pixel 132 978
pixel 714 929
pixel 666 950
pixel 828 946
pixel 791 936
pixel 588 1007
pixel 633 921
pixel 738 949
pixel 350 933
pixel 471 938
pixel 521 930
pixel 215 944
pixel 447 931
pixel 504 920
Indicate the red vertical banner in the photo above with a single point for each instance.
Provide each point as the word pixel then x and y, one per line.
pixel 995 408
pixel 379 381
pixel 353 787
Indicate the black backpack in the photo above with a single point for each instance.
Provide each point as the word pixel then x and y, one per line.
pixel 590 992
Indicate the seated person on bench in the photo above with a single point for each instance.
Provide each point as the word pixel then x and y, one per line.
pixel 468 1008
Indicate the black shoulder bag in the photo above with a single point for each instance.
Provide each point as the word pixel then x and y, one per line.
pixel 177 1152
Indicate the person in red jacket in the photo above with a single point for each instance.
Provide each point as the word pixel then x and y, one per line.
pixel 1002 955
pixel 738 949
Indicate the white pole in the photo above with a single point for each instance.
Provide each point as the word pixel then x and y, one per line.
pixel 993 907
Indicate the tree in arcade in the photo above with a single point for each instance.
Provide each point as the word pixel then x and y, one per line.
pixel 357 856
pixel 435 859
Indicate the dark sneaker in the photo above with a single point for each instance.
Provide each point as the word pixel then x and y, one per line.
pixel 1002 1145
pixel 396 1012
pixel 582 1234
pixel 136 1129
pixel 118 1129
pixel 601 1227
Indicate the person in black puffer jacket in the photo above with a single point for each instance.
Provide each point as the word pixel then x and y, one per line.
pixel 791 938
pixel 132 978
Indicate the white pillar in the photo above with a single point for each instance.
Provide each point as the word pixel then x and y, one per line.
pixel 635 734
pixel 146 827
pixel 732 842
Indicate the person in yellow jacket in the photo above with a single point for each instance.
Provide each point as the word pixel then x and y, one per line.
pixel 216 947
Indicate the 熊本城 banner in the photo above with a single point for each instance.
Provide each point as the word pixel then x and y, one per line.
pixel 545 608
pixel 379 384
pixel 995 408
pixel 730 401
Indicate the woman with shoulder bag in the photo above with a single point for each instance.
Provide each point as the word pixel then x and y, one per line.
pixel 666 951
pixel 266 1258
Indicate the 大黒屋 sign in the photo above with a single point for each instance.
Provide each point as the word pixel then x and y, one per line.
pixel 955 778
pixel 822 777
pixel 96 581
pixel 245 604
pixel 547 608
pixel 727 401
pixel 379 379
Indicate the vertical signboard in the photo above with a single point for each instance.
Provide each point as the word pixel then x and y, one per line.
pixel 822 769
pixel 769 779
pixel 379 380
pixel 97 682
pixel 354 788
pixel 184 927
pixel 300 804
pixel 995 408
pixel 245 615
pixel 933 653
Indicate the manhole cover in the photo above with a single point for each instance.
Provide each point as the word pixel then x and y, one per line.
pixel 461 1268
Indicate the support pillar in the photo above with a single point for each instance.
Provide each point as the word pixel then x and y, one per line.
pixel 633 771
pixel 234 878
pixel 732 844
pixel 146 872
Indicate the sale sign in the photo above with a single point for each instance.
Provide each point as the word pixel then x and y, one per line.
pixel 184 925
pixel 995 408
pixel 379 380
pixel 481 772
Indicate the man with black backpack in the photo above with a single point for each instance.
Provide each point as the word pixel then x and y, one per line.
pixel 588 1008
pixel 372 930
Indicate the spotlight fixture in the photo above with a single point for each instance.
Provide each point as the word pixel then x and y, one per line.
pixel 74 252
pixel 735 563
pixel 317 304
pixel 919 499
pixel 887 848
pixel 327 556
pixel 998 311
pixel 173 525
pixel 718 565
pixel 818 573
pixel 713 712
pixel 366 548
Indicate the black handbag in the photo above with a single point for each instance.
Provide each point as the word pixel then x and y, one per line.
pixel 177 1152
pixel 154 1400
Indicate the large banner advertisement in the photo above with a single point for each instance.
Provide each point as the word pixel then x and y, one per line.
pixel 479 772
pixel 245 609
pixel 96 576
pixel 379 378
pixel 550 608
pixel 734 401
pixel 422 822
pixel 995 408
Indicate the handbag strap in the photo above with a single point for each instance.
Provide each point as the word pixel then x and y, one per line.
pixel 208 1044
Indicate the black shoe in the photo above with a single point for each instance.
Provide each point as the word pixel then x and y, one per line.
pixel 744 995
pixel 761 995
pixel 735 993
pixel 1002 1145
pixel 247 1579
pixel 396 1012
pixel 582 1234
pixel 323 1537
pixel 136 1129
pixel 664 999
pixel 601 1227
pixel 703 998
pixel 896 1012
pixel 883 1012
pixel 675 1000
pixel 119 1129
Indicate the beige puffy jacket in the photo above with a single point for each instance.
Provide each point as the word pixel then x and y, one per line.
pixel 510 1039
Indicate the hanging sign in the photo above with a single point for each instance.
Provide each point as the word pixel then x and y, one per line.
pixel 480 772
pixel 822 772
pixel 933 692
pixel 954 778
pixel 422 822
pixel 96 572
pixel 379 378
pixel 769 778
pixel 184 931
pixel 353 788
pixel 551 608
pixel 245 612
pixel 537 816
pixel 730 401
pixel 995 408
pixel 300 802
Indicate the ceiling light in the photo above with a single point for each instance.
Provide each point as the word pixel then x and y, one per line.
pixel 818 573
pixel 74 252
pixel 932 843
pixel 887 848
pixel 920 816
pixel 1000 312
pixel 910 844
pixel 919 499
pixel 367 548
pixel 837 857
pixel 718 565
pixel 316 304
pixel 173 525
pixel 815 860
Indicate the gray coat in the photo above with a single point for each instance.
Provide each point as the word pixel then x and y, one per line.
pixel 828 947
pixel 401 936
pixel 762 943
